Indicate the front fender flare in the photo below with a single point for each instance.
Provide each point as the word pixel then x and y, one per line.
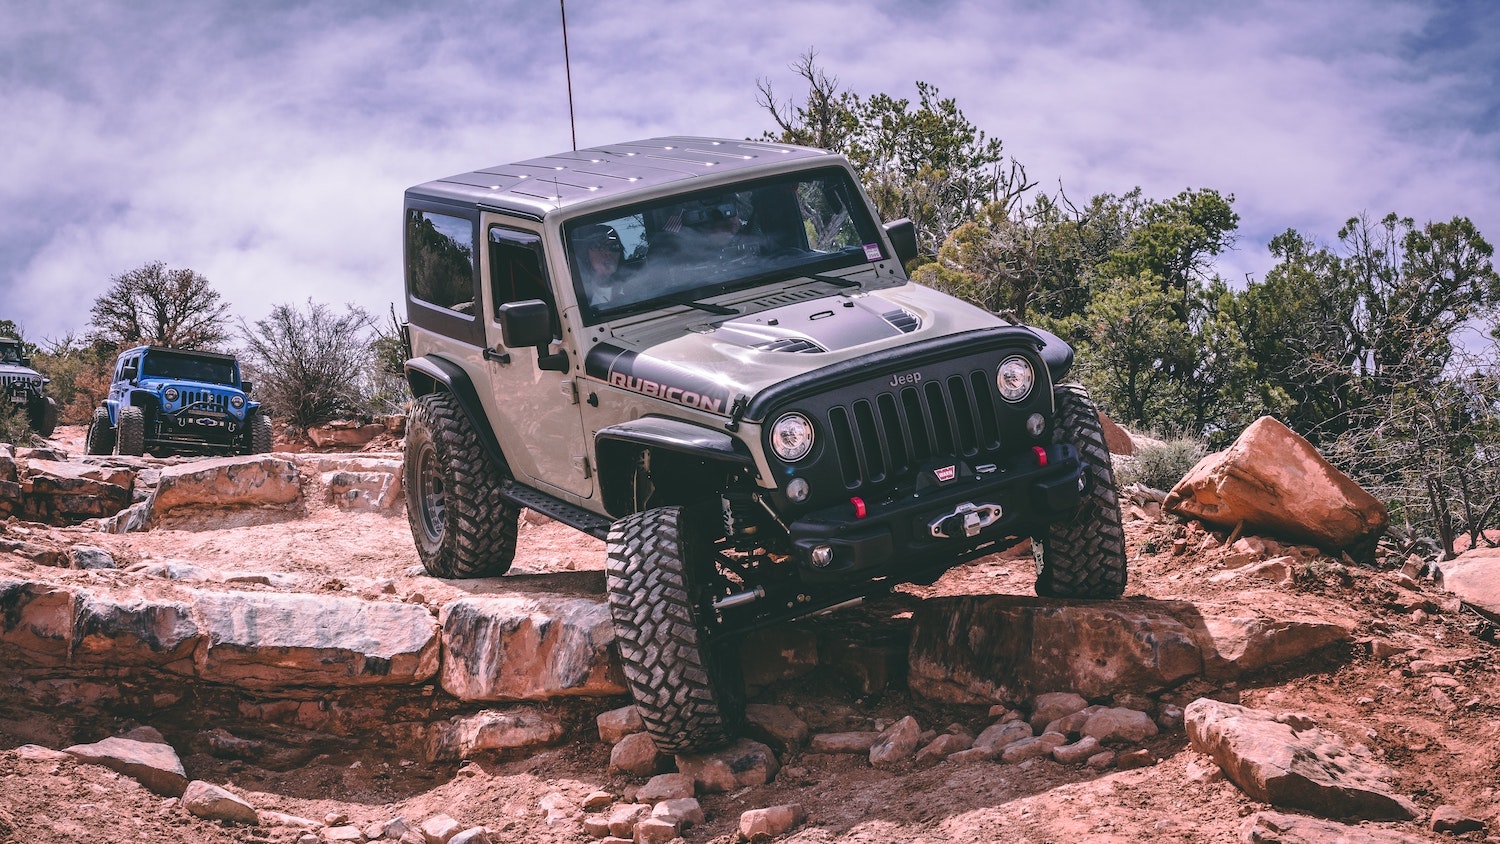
pixel 617 445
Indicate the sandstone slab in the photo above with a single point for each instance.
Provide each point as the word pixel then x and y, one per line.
pixel 494 730
pixel 155 765
pixel 1474 576
pixel 516 647
pixel 999 648
pixel 1281 828
pixel 269 640
pixel 225 482
pixel 1308 769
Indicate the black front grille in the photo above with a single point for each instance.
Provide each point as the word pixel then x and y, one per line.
pixel 19 383
pixel 886 436
pixel 204 400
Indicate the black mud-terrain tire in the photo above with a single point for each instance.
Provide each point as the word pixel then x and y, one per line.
pixel 1084 557
pixel 689 692
pixel 130 434
pixel 259 435
pixel 461 525
pixel 44 416
pixel 101 436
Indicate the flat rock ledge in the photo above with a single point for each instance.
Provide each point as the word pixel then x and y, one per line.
pixel 481 650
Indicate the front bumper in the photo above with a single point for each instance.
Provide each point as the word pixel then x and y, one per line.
pixel 938 522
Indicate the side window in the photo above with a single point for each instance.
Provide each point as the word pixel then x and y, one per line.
pixel 517 272
pixel 440 260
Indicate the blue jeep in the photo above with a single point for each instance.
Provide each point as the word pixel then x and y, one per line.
pixel 176 401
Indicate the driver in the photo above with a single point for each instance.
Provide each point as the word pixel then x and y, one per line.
pixel 599 254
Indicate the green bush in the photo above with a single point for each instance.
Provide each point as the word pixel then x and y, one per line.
pixel 1162 466
pixel 15 428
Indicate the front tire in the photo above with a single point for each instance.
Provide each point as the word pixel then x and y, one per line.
pixel 1084 557
pixel 130 435
pixel 260 434
pixel 101 436
pixel 461 525
pixel 687 687
pixel 44 416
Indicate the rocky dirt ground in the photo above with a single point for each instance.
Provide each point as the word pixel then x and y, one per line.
pixel 1435 724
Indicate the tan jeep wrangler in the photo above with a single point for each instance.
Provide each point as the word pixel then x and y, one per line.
pixel 708 353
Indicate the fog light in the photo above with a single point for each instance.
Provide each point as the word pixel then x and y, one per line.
pixel 1034 424
pixel 797 489
pixel 822 556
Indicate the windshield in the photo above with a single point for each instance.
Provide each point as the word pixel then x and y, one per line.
pixel 10 353
pixel 184 368
pixel 700 244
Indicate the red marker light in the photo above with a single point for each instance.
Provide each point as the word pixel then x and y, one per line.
pixel 859 507
pixel 1041 455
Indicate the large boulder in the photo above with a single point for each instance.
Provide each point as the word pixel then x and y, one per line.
pixel 1274 482
pixel 1284 761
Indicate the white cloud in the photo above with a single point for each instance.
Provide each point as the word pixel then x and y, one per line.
pixel 267 145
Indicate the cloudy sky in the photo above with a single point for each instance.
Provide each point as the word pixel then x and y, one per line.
pixel 267 144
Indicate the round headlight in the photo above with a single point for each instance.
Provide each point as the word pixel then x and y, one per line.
pixel 171 394
pixel 1015 378
pixel 237 401
pixel 792 437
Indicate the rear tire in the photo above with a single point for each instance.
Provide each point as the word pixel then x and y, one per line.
pixel 460 524
pixel 260 434
pixel 130 435
pixel 1084 557
pixel 688 688
pixel 101 436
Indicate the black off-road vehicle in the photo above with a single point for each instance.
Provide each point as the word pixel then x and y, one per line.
pixel 708 353
pixel 24 388
pixel 178 401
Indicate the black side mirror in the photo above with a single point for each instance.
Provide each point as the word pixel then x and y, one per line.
pixel 130 372
pixel 26 360
pixel 529 323
pixel 903 235
pixel 246 387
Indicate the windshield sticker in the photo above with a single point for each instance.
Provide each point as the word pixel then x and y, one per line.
pixel 872 252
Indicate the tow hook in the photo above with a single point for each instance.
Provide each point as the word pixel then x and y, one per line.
pixel 968 516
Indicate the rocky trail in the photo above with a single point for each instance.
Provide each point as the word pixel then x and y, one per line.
pixel 201 681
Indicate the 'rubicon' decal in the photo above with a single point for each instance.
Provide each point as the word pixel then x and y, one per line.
pixel 652 377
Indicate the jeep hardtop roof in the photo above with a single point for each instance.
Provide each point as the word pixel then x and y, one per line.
pixel 194 352
pixel 539 186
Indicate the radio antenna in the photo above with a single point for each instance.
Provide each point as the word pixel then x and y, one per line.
pixel 568 68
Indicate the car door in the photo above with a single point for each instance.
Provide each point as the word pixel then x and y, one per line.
pixel 535 408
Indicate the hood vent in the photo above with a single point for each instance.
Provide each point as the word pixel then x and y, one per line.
pixel 904 321
pixel 797 345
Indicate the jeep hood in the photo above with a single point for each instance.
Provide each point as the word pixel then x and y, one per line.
pixel 13 370
pixel 709 365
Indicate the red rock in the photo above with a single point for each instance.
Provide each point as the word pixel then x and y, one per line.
pixel 1274 482
pixel 757 824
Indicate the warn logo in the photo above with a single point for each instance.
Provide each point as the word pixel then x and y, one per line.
pixel 946 473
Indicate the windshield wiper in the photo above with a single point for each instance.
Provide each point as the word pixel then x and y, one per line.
pixel 835 280
pixel 719 310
